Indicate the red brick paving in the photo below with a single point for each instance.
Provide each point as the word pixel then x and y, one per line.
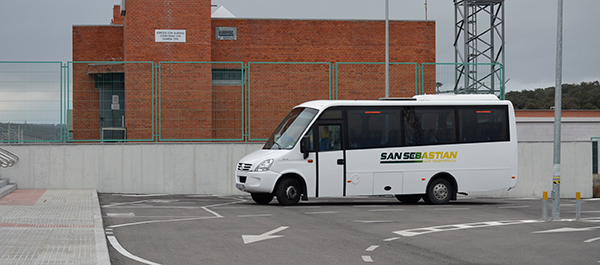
pixel 22 197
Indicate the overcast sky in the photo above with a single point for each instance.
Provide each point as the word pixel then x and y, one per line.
pixel 40 30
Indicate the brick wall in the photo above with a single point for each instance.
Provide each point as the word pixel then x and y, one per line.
pixel 192 108
pixel 91 43
pixel 185 104
pixel 274 89
pixel 117 18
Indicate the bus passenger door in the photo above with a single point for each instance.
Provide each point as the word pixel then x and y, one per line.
pixel 330 161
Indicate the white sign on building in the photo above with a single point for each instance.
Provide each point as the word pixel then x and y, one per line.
pixel 169 35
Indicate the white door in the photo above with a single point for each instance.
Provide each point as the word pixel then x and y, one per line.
pixel 330 161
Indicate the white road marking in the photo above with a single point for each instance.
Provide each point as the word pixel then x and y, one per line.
pixel 301 207
pixel 165 221
pixel 514 207
pixel 592 240
pixel 368 206
pixel 113 241
pixel 120 214
pixel 255 215
pixel 391 239
pixel 567 229
pixel 124 203
pixel 142 195
pixel 444 228
pixel 212 212
pixel 373 221
pixel 229 207
pixel 326 212
pixel 451 209
pixel 371 248
pixel 367 259
pixel 386 210
pixel 264 236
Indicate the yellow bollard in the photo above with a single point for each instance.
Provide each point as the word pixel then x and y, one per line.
pixel 545 206
pixel 578 206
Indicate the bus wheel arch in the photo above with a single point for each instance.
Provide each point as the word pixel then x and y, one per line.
pixel 289 189
pixel 441 188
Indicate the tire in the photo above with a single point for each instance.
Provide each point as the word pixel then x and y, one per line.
pixel 262 198
pixel 288 192
pixel 439 191
pixel 409 199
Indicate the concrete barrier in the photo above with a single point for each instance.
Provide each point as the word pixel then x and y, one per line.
pixel 208 168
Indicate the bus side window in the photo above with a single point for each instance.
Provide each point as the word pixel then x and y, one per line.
pixel 413 133
pixel 330 138
pixel 372 127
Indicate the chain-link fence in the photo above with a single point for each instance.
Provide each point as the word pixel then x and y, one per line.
pixel 31 102
pixel 110 101
pixel 196 101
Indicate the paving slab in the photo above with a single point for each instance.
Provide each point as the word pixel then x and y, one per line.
pixel 52 227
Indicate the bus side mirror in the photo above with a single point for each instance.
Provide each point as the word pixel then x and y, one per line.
pixel 305 146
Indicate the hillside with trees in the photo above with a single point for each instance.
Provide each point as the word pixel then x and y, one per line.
pixel 575 96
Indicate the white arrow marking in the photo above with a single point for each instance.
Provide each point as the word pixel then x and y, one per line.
pixel 268 235
pixel 567 229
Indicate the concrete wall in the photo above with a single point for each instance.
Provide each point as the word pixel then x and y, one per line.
pixel 208 168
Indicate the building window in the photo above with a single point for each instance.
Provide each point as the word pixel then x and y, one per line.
pixel 227 77
pixel 226 33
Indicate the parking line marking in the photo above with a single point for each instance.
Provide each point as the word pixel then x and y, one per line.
pixel 386 210
pixel 367 259
pixel 444 228
pixel 371 248
pixel 451 209
pixel 326 212
pixel 115 243
pixel 120 214
pixel 592 240
pixel 514 207
pixel 164 221
pixel 301 207
pixel 255 215
pixel 373 221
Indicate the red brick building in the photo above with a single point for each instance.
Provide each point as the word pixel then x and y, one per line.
pixel 196 72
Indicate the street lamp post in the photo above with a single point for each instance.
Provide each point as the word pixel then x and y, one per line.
pixel 557 114
pixel 387 49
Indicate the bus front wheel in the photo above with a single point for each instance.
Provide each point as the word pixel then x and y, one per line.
pixel 439 191
pixel 288 192
pixel 262 198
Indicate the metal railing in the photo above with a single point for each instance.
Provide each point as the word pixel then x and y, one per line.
pixel 7 158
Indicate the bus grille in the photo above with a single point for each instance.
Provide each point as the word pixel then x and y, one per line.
pixel 244 167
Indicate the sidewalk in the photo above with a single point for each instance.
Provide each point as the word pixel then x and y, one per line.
pixel 52 227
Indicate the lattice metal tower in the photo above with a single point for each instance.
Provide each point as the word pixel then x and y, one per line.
pixel 479 46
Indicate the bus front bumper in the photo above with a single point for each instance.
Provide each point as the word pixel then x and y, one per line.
pixel 256 182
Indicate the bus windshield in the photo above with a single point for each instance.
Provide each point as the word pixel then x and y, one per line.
pixel 290 129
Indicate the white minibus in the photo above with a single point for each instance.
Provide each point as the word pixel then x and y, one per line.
pixel 429 147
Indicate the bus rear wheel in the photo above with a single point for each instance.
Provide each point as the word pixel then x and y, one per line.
pixel 262 198
pixel 439 191
pixel 288 192
pixel 409 199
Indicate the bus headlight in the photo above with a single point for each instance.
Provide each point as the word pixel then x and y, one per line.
pixel 264 165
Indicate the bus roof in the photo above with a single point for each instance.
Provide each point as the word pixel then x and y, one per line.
pixel 423 100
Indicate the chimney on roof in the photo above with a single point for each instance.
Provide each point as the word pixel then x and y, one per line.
pixel 122 7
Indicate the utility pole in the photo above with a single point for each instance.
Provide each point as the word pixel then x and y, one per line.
pixel 387 48
pixel 557 115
